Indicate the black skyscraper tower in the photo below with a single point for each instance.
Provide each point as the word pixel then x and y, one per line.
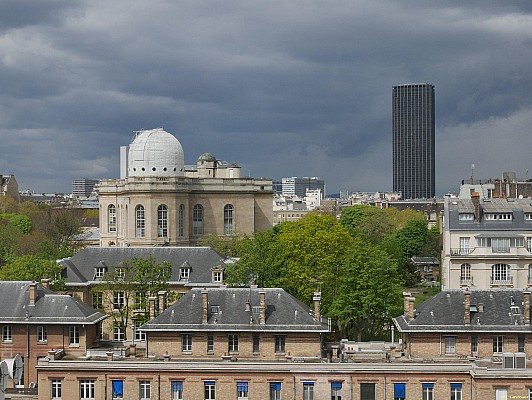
pixel 413 140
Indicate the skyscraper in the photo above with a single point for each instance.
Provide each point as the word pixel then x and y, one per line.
pixel 413 129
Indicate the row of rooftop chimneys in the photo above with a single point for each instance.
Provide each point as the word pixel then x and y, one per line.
pixel 409 311
pixel 162 296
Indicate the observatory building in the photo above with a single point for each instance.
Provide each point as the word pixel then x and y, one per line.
pixel 160 201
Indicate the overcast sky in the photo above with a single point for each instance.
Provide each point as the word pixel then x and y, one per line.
pixel 283 88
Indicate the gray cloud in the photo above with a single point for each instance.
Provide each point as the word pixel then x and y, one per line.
pixel 283 88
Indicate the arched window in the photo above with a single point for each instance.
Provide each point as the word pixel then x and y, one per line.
pixel 500 273
pixel 162 221
pixel 530 273
pixel 228 219
pixel 197 220
pixel 111 217
pixel 465 274
pixel 140 224
pixel 181 223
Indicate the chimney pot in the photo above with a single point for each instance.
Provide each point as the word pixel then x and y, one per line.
pixel 467 307
pixel 33 293
pixel 262 316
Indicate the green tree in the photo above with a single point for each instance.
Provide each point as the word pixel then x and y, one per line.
pixel 20 221
pixel 65 227
pixel 228 246
pixel 369 293
pixel 127 286
pixel 9 240
pixel 29 267
pixel 370 223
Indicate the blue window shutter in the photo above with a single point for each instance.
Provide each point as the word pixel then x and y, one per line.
pixel 118 388
pixel 242 386
pixel 456 386
pixel 177 385
pixel 275 385
pixel 399 390
pixel 209 383
pixel 427 385
pixel 336 385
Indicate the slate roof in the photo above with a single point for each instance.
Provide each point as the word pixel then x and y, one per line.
pixel 49 307
pixel 284 313
pixel 445 313
pixel 518 207
pixel 79 269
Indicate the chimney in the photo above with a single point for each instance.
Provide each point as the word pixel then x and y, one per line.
pixel 33 293
pixel 411 301
pixel 162 300
pixel 526 307
pixel 262 316
pixel 406 306
pixel 467 307
pixel 151 302
pixel 317 299
pixel 45 283
pixel 475 198
pixel 205 301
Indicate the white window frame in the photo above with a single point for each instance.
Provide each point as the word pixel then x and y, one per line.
pixel 275 394
pixel 86 389
pixel 229 227
pixel 7 333
pixel 42 334
pixel 242 394
pixel 186 342
pixel 184 274
pixel 119 300
pixel 111 215
pixel 56 389
pixel 144 390
pixel 140 336
pixel 209 391
pixel 280 343
pixel 427 392
pixel 210 344
pixel 162 221
pixel 456 393
pixel 308 390
pixel 232 343
pixel 140 221
pixel 73 335
pixel 450 344
pixel 498 344
pixel 119 333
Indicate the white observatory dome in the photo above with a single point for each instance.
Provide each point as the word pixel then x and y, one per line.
pixel 155 152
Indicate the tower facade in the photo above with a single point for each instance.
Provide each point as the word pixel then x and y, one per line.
pixel 413 126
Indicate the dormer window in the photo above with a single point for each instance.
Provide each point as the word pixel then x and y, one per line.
pixel 120 273
pixel 515 310
pixel 498 216
pixel 215 309
pixel 528 216
pixel 217 276
pixel 184 274
pixel 256 309
pixel 99 272
pixel 466 217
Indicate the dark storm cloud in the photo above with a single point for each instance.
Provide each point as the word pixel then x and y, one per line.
pixel 284 88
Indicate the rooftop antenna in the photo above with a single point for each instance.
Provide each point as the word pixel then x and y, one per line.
pixel 472 173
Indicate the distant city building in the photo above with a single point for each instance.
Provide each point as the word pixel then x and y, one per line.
pixel 9 187
pixel 160 201
pixel 298 186
pixel 277 187
pixel 507 186
pixel 83 187
pixel 413 126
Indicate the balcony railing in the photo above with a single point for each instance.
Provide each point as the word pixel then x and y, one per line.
pixel 502 281
pixel 462 251
pixel 466 281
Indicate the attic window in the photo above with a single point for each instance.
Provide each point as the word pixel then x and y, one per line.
pixel 99 272
pixel 215 309
pixel 498 216
pixel 515 310
pixel 184 274
pixel 473 308
pixel 528 216
pixel 466 217
pixel 256 309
